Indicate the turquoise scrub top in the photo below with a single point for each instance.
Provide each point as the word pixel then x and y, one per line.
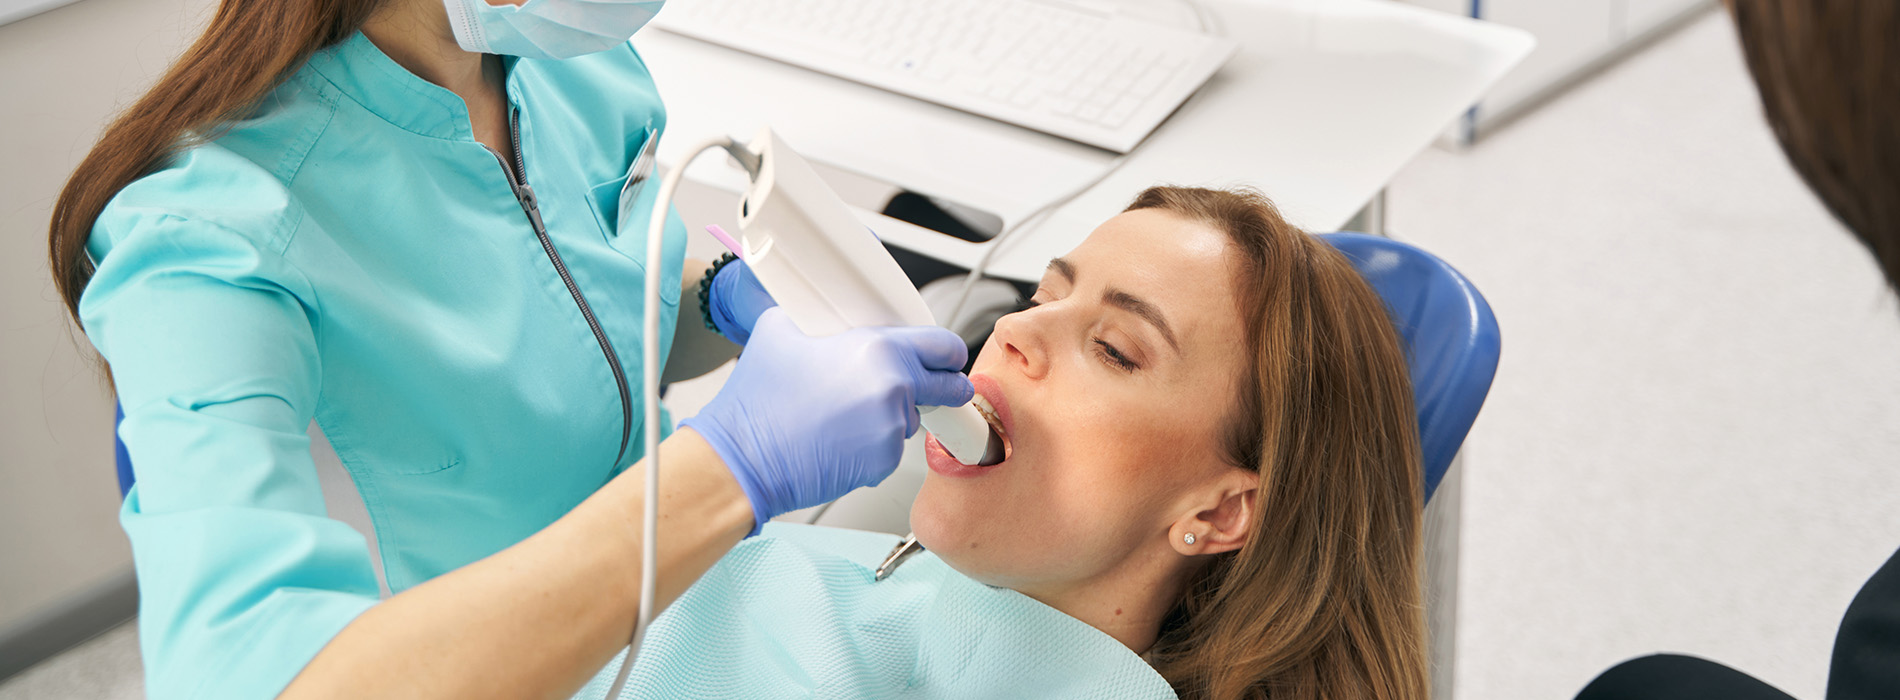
pixel 349 254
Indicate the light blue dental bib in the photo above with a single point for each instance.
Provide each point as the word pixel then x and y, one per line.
pixel 795 613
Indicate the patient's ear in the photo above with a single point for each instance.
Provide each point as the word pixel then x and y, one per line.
pixel 1222 519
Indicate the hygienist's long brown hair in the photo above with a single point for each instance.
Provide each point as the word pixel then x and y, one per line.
pixel 248 49
pixel 1829 74
pixel 1323 600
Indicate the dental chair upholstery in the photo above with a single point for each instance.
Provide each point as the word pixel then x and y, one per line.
pixel 118 448
pixel 1451 342
pixel 1451 339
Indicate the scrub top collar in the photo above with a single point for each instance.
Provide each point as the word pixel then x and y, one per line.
pixel 372 79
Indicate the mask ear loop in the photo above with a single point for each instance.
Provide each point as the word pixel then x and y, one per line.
pixel 467 28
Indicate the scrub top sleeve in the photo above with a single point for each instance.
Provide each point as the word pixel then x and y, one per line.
pixel 243 577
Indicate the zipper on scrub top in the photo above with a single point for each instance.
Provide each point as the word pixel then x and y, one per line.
pixel 525 195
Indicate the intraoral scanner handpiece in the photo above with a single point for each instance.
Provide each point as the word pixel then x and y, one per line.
pixel 827 271
pixel 830 274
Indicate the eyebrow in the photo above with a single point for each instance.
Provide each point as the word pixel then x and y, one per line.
pixel 1125 301
pixel 1064 268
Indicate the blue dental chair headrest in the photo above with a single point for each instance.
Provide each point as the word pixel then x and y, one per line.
pixel 118 449
pixel 1451 339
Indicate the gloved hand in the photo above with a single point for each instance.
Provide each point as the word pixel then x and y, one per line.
pixel 735 301
pixel 804 420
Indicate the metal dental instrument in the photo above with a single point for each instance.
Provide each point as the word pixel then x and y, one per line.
pixel 904 550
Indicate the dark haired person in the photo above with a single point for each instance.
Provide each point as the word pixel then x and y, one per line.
pixel 1829 75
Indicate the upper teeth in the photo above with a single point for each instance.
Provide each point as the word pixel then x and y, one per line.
pixel 989 413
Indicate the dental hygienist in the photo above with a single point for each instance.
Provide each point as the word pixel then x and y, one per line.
pixel 400 219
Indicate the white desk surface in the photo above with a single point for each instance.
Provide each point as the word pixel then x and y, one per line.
pixel 1325 101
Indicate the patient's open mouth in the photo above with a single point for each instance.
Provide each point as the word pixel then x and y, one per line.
pixel 993 406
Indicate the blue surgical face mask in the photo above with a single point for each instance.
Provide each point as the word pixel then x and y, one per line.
pixel 548 28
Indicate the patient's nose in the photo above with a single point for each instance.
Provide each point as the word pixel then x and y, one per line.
pixel 1022 344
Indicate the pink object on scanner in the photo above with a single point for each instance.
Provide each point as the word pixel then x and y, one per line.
pixel 727 240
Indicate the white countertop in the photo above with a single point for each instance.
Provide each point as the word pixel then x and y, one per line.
pixel 1323 103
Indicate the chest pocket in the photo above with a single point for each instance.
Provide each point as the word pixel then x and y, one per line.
pixel 623 207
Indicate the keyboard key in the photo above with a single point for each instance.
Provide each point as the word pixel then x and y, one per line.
pixel 1024 95
pixel 1150 81
pixel 1119 114
pixel 1070 73
pixel 1146 56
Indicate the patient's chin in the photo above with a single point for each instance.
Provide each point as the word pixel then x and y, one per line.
pixel 957 537
pixel 940 529
pixel 927 520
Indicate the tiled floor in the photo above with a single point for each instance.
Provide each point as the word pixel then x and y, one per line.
pixel 1693 438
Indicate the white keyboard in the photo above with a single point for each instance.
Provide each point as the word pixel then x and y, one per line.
pixel 1059 68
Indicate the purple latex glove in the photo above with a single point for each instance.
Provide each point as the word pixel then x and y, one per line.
pixel 735 301
pixel 804 420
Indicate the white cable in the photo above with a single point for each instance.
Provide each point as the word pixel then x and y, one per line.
pixel 650 384
pixel 816 514
pixel 1209 24
pixel 1028 222
pixel 983 263
pixel 650 368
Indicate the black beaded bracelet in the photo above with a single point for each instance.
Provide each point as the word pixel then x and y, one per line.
pixel 705 290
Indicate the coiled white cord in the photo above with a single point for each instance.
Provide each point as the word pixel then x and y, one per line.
pixel 650 361
pixel 650 384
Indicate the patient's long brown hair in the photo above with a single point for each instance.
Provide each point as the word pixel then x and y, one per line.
pixel 1323 599
pixel 249 48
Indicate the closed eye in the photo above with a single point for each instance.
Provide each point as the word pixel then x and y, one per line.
pixel 1114 357
pixel 1109 354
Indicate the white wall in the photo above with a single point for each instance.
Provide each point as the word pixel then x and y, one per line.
pixel 1574 39
pixel 62 74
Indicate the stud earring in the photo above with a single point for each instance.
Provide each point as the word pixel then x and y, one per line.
pixel 1188 538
